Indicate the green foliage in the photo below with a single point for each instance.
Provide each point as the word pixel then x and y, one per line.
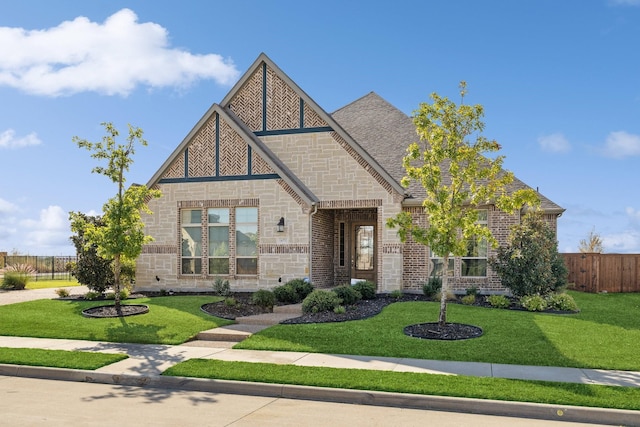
pixel 91 270
pixel 293 291
pixel 449 296
pixel 396 294
pixel 533 303
pixel 124 294
pixel 263 298
pixel 347 294
pixel 469 299
pixel 562 302
pixel 221 287
pixel 366 288
pixel 319 301
pixel 432 287
pixel 498 301
pixel 17 276
pixel 451 141
pixel 230 302
pixel 122 235
pixel 340 309
pixel 62 293
pixel 530 264
pixel 92 295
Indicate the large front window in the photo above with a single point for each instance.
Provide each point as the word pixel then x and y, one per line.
pixel 474 263
pixel 230 236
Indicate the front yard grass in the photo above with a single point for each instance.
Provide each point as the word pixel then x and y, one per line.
pixel 415 383
pixel 604 335
pixel 58 358
pixel 171 320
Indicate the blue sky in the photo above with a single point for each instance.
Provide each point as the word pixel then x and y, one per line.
pixel 559 80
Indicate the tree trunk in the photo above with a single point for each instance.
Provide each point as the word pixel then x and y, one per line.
pixel 442 320
pixel 116 284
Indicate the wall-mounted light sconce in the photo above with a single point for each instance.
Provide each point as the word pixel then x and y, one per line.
pixel 280 225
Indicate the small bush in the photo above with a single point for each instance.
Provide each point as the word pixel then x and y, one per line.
pixel 366 288
pixel 293 291
pixel 14 281
pixel 230 302
pixel 124 294
pixel 319 301
pixel 432 287
pixel 472 291
pixel 221 287
pixel 498 301
pixel 263 298
pixel 396 294
pixel 62 293
pixel 562 302
pixel 347 294
pixel 91 295
pixel 533 303
pixel 301 287
pixel 469 299
pixel 340 310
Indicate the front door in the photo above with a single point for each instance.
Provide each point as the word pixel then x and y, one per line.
pixel 363 259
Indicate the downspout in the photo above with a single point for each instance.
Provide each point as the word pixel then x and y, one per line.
pixel 311 214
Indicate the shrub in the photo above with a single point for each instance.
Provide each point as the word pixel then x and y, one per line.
pixel 293 291
pixel 124 294
pixel 17 276
pixel 91 295
pixel 221 287
pixel 533 303
pixel 366 288
pixel 396 294
pixel 531 264
pixel 319 301
pixel 469 299
pixel 498 301
pixel 62 292
pixel 263 298
pixel 562 302
pixel 432 287
pixel 230 302
pixel 340 309
pixel 347 294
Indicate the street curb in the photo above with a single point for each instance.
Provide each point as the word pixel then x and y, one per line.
pixel 576 414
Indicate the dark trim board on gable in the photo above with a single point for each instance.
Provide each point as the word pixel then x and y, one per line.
pixel 293 131
pixel 219 178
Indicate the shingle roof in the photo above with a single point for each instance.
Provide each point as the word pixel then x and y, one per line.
pixel 386 132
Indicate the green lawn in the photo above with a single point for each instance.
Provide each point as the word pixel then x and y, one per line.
pixel 605 334
pixel 171 320
pixel 58 358
pixel 415 383
pixel 57 283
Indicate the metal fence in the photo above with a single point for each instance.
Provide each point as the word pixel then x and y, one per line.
pixel 592 272
pixel 46 267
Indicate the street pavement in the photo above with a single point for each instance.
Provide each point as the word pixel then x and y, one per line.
pixel 147 362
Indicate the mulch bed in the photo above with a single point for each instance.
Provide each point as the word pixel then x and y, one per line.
pixel 112 311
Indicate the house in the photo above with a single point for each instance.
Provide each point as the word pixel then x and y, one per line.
pixel 268 187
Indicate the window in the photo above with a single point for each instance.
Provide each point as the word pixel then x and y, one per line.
pixel 191 248
pixel 218 220
pixel 438 264
pixel 474 263
pixel 246 240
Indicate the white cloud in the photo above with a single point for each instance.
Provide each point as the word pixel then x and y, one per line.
pixel 7 207
pixel 8 139
pixel 51 229
pixel 626 242
pixel 621 144
pixel 110 58
pixel 554 143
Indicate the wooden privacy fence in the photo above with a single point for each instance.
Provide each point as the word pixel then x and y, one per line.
pixel 592 272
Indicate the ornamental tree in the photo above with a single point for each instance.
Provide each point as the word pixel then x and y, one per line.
pixel 122 234
pixel 450 162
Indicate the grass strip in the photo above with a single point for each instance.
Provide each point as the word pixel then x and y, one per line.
pixel 414 383
pixel 170 320
pixel 58 358
pixel 48 283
